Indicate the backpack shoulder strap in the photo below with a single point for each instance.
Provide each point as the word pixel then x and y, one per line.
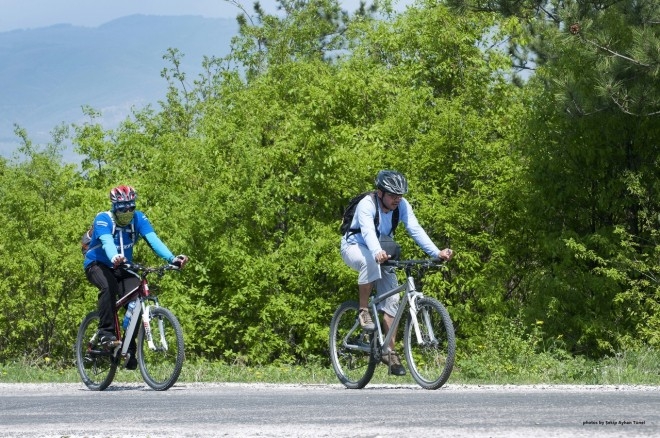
pixel 112 218
pixel 395 220
pixel 121 235
pixel 395 217
pixel 377 217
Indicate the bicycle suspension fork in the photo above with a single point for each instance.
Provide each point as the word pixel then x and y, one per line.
pixel 413 295
pixel 146 322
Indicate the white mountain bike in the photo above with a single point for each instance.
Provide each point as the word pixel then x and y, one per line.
pixel 428 336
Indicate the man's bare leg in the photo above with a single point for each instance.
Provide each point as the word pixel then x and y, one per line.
pixel 387 323
pixel 364 290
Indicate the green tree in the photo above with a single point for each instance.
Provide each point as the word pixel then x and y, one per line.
pixel 248 169
pixel 42 284
pixel 286 150
pixel 592 144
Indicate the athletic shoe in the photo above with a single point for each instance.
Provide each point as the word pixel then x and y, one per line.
pixel 131 360
pixel 108 340
pixel 394 364
pixel 366 322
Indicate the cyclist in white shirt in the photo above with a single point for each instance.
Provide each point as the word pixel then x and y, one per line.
pixel 362 251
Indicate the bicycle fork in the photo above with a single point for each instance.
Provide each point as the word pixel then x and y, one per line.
pixel 412 299
pixel 426 321
pixel 146 322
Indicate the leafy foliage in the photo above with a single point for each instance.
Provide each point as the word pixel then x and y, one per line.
pixel 546 190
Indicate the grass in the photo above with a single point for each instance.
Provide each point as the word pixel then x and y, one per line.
pixel 627 368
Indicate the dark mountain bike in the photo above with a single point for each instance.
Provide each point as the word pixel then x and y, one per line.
pixel 159 342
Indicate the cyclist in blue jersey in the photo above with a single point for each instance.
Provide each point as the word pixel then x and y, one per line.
pixel 362 250
pixel 113 237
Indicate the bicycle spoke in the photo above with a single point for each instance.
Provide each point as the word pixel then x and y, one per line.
pixel 431 358
pixel 350 348
pixel 96 366
pixel 161 364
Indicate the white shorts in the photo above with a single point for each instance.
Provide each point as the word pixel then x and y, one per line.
pixel 359 258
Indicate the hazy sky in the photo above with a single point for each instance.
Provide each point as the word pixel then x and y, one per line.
pixel 26 14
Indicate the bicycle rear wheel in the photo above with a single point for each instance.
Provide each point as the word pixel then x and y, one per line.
pixel 96 365
pixel 161 365
pixel 431 358
pixel 350 347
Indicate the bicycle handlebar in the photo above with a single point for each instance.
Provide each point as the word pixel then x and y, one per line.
pixel 433 262
pixel 149 269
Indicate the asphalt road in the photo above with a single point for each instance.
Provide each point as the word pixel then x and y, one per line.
pixel 262 410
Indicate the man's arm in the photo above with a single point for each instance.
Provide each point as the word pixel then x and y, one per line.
pixel 415 230
pixel 365 213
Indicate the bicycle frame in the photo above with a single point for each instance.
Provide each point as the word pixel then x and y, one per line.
pixel 142 294
pixel 159 348
pixel 407 301
pixel 429 342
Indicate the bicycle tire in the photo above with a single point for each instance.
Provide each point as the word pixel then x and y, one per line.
pixel 96 366
pixel 430 362
pixel 354 367
pixel 160 367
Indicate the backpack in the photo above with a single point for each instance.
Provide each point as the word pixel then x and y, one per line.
pixel 349 212
pixel 86 238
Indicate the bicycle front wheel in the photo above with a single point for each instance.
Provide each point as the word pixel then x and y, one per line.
pixel 161 363
pixel 431 357
pixel 350 347
pixel 96 365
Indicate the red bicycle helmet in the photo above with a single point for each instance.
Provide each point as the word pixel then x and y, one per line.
pixel 123 194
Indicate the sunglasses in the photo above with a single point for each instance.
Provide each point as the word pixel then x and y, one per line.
pixel 125 208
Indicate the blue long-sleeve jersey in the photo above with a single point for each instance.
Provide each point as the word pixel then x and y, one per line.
pixel 104 245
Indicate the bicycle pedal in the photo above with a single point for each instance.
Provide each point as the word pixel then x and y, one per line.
pixel 112 345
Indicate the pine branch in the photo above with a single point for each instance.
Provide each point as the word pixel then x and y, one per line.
pixel 576 30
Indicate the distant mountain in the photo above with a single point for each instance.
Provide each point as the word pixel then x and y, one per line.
pixel 48 74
